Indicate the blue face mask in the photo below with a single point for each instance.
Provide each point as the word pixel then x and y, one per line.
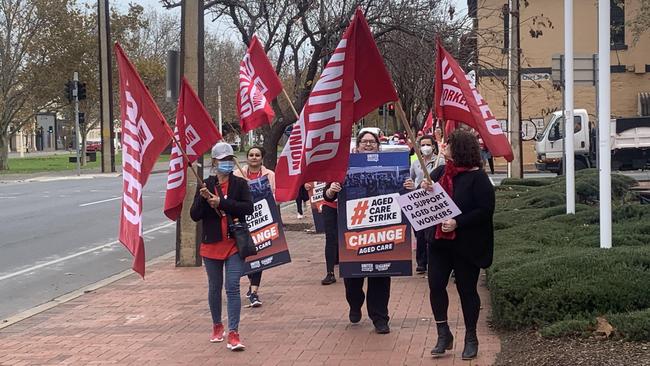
pixel 225 167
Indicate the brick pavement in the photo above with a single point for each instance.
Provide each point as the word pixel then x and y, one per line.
pixel 165 320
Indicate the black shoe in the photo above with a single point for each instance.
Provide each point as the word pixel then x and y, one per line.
pixel 382 328
pixel 355 316
pixel 329 279
pixel 445 340
pixel 420 270
pixel 471 345
pixel 255 300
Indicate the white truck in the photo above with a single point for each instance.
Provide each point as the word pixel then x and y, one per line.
pixel 629 143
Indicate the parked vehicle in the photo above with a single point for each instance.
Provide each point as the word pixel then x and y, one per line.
pixel 93 145
pixel 629 143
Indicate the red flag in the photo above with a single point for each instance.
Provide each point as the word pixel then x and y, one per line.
pixel 196 133
pixel 457 99
pixel 145 134
pixel 353 83
pixel 428 124
pixel 258 86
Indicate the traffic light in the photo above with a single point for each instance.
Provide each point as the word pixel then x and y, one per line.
pixel 82 118
pixel 69 88
pixel 50 129
pixel 391 109
pixel 81 90
pixel 381 109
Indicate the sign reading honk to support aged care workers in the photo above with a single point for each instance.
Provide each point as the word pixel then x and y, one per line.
pixel 424 209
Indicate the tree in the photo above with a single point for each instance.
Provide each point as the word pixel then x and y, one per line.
pixel 30 58
pixel 300 35
pixel 641 22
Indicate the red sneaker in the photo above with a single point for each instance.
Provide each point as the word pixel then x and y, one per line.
pixel 234 344
pixel 217 333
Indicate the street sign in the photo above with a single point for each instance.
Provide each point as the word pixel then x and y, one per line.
pixel 585 69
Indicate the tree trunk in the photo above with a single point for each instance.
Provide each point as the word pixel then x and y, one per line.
pixel 4 152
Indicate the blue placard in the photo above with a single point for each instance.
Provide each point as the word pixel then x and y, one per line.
pixel 400 158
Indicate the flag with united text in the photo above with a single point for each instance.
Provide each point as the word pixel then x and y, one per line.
pixel 353 83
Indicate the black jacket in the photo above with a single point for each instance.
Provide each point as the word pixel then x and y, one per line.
pixel 237 204
pixel 474 196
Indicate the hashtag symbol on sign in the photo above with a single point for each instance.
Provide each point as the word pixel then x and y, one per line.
pixel 359 212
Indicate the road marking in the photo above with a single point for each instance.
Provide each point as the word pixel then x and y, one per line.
pixel 7 197
pixel 38 266
pixel 102 201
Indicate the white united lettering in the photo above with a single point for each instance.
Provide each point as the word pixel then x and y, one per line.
pixel 493 126
pixel 251 94
pixel 176 175
pixel 323 143
pixel 132 152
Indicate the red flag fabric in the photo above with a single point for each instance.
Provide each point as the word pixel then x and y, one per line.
pixel 258 86
pixel 353 83
pixel 196 133
pixel 145 134
pixel 428 123
pixel 457 99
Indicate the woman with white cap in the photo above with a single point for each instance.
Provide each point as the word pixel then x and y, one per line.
pixel 222 195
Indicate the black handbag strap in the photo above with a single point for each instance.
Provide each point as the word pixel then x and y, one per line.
pixel 218 185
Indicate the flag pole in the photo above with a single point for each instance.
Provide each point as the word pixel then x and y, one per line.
pixel 290 103
pixel 402 116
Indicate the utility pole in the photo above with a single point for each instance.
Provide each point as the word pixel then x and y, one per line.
pixel 77 132
pixel 516 167
pixel 569 155
pixel 106 88
pixel 188 233
pixel 604 116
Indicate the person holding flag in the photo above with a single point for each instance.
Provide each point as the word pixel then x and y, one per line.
pixel 254 169
pixel 222 195
pixel 429 149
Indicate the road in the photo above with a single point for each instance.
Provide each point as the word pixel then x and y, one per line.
pixel 60 235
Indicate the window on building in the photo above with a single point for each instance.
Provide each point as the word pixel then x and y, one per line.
pixel 506 27
pixel 617 24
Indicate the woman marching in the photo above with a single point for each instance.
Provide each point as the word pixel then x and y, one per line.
pixel 463 244
pixel 254 169
pixel 378 293
pixel 222 195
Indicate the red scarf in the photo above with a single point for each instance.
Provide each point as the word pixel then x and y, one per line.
pixel 447 183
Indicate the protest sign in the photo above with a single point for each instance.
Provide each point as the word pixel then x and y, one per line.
pixel 316 202
pixel 266 230
pixel 424 209
pixel 374 236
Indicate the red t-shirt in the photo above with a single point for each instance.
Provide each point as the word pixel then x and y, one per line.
pixel 226 247
pixel 252 176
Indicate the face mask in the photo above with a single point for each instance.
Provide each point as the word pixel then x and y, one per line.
pixel 225 167
pixel 426 150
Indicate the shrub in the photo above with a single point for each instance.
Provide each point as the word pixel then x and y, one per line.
pixel 568 328
pixel 548 268
pixel 633 326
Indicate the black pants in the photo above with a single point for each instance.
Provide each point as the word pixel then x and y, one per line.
pixel 491 164
pixel 378 295
pixel 255 278
pixel 441 262
pixel 421 257
pixel 303 196
pixel 330 218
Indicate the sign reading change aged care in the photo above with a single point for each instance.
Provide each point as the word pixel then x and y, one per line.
pixel 265 226
pixel 374 235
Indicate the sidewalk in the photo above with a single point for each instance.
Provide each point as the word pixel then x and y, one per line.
pixel 165 320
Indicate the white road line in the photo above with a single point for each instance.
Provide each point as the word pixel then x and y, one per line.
pixel 38 266
pixel 102 201
pixel 7 197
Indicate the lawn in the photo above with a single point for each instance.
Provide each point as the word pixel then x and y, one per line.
pixel 50 163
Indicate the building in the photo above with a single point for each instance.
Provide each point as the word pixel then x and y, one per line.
pixel 542 37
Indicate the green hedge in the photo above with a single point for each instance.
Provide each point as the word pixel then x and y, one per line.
pixel 549 271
